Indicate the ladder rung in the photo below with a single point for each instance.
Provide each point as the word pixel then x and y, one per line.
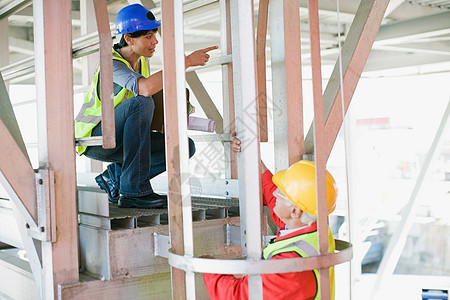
pixel 89 141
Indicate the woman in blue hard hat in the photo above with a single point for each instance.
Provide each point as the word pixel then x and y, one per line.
pixel 139 154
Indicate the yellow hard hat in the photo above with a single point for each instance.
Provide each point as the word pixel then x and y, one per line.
pixel 298 183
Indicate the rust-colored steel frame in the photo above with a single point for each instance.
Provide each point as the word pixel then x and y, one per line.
pixel 355 49
pixel 261 37
pixel 55 86
pixel 328 115
pixel 177 153
pixel 53 41
pixel 45 200
pixel 370 14
pixel 106 76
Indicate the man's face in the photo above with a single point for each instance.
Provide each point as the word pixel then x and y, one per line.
pixel 283 206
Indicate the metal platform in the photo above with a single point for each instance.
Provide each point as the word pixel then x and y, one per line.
pixel 123 243
pixel 95 210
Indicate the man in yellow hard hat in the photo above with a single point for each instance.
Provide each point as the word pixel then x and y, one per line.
pixel 291 197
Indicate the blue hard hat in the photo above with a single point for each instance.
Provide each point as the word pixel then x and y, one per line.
pixel 135 17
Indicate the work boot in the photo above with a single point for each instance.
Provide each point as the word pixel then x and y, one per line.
pixel 105 183
pixel 149 201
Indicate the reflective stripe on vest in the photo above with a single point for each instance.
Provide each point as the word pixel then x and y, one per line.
pixel 305 245
pixel 91 111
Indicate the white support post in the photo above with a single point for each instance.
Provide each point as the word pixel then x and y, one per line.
pixel 237 91
pixel 278 67
pixel 227 88
pixel 244 63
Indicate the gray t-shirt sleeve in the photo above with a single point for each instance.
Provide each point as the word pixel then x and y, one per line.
pixel 126 77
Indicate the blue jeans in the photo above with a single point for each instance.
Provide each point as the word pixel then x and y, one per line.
pixel 139 154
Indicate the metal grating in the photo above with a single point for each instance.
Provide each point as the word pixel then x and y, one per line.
pixel 126 218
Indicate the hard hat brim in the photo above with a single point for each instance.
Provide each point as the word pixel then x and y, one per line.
pixel 149 25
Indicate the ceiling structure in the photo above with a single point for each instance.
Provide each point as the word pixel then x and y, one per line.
pixel 414 34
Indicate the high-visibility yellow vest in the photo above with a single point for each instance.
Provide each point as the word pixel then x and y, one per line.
pixel 305 245
pixel 91 111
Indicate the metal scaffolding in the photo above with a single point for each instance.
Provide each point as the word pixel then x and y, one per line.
pixel 44 201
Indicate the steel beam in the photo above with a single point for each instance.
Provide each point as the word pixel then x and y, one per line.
pixel 106 76
pixel 13 7
pixel 177 153
pixel 17 178
pixel 321 156
pixel 278 68
pixel 229 120
pixel 261 36
pixel 54 89
pixel 245 88
pixel 294 90
pixel 355 51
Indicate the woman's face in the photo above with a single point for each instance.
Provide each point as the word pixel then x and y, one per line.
pixel 145 45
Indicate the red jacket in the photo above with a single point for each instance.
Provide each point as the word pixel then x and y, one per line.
pixel 286 286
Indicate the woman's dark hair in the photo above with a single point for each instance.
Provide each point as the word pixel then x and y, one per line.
pixel 135 34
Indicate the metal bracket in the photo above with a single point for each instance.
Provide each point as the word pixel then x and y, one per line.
pixel 45 194
pixel 162 244
pixel 234 236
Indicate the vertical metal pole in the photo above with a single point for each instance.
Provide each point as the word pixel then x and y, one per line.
pixel 106 76
pixel 177 152
pixel 319 139
pixel 89 63
pixel 227 87
pixel 294 93
pixel 355 50
pixel 54 90
pixel 237 90
pixel 247 128
pixel 263 15
pixel 278 67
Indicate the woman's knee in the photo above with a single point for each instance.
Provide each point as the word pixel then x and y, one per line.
pixel 145 105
